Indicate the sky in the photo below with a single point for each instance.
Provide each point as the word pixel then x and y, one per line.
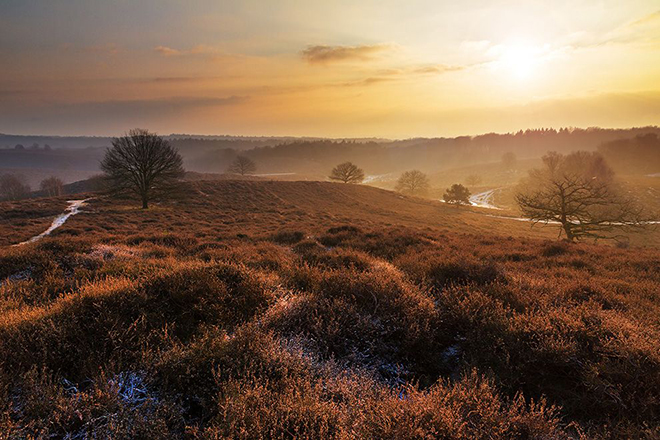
pixel 371 68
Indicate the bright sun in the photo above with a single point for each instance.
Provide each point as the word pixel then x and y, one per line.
pixel 519 61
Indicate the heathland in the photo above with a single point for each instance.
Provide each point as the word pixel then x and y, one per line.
pixel 250 309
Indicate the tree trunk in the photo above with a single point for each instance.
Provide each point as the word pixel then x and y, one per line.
pixel 145 203
pixel 567 229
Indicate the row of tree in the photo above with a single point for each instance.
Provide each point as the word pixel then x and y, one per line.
pixel 13 187
pixel 412 182
pixel 578 191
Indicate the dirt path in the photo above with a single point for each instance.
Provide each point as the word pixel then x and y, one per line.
pixel 72 209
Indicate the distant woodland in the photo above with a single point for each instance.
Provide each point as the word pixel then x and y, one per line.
pixel 635 150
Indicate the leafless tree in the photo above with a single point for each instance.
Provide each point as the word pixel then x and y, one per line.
pixel 457 195
pixel 579 192
pixel 13 187
pixel 242 165
pixel 52 186
pixel 413 182
pixel 347 172
pixel 143 163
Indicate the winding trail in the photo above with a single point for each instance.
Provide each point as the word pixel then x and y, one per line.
pixel 72 209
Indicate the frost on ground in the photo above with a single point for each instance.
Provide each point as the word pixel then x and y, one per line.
pixel 484 199
pixel 18 276
pixel 110 252
pixel 73 209
pixel 131 396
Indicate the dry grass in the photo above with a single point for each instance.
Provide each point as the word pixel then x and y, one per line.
pixel 212 320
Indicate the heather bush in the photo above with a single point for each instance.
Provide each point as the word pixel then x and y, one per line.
pixel 357 331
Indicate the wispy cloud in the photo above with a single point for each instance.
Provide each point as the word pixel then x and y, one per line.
pixel 641 31
pixel 104 49
pixel 653 18
pixel 331 54
pixel 167 51
pixel 400 74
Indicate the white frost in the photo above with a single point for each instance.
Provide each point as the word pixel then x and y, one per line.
pixel 484 199
pixel 72 209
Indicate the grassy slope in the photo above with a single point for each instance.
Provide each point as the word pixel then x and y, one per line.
pixel 322 310
pixel 260 208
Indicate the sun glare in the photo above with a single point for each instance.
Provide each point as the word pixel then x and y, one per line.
pixel 519 61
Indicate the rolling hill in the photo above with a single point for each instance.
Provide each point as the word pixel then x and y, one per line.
pixel 319 310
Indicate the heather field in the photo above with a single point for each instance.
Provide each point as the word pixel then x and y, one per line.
pixel 315 310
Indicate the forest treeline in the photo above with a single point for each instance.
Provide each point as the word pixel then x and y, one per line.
pixel 640 154
pixel 305 156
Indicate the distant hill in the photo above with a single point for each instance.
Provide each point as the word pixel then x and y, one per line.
pixel 67 157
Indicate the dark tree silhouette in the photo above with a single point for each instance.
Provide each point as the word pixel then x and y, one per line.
pixel 457 195
pixel 13 187
pixel 347 172
pixel 52 186
pixel 143 163
pixel 579 192
pixel 242 165
pixel 413 182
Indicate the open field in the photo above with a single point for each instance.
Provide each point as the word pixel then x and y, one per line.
pixel 314 310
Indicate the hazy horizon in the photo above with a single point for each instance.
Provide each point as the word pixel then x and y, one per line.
pixel 285 136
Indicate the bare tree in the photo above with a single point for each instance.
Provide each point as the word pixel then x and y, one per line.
pixel 413 182
pixel 13 187
pixel 347 172
pixel 143 163
pixel 579 192
pixel 52 186
pixel 242 165
pixel 457 195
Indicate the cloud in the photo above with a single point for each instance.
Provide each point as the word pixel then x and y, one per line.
pixel 653 18
pixel 436 69
pixel 103 49
pixel 369 81
pixel 400 74
pixel 200 50
pixel 167 51
pixel 331 54
pixel 645 30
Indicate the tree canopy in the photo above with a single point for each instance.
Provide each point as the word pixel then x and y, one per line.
pixel 579 192
pixel 144 164
pixel 413 182
pixel 457 195
pixel 242 165
pixel 347 172
pixel 52 186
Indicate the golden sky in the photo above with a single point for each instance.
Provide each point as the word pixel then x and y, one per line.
pixel 336 68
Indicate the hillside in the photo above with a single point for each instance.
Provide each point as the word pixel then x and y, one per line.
pixel 319 310
pixel 259 208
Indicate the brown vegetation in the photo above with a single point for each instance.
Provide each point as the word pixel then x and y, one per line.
pixel 171 323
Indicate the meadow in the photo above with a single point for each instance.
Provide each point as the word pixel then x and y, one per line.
pixel 314 310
